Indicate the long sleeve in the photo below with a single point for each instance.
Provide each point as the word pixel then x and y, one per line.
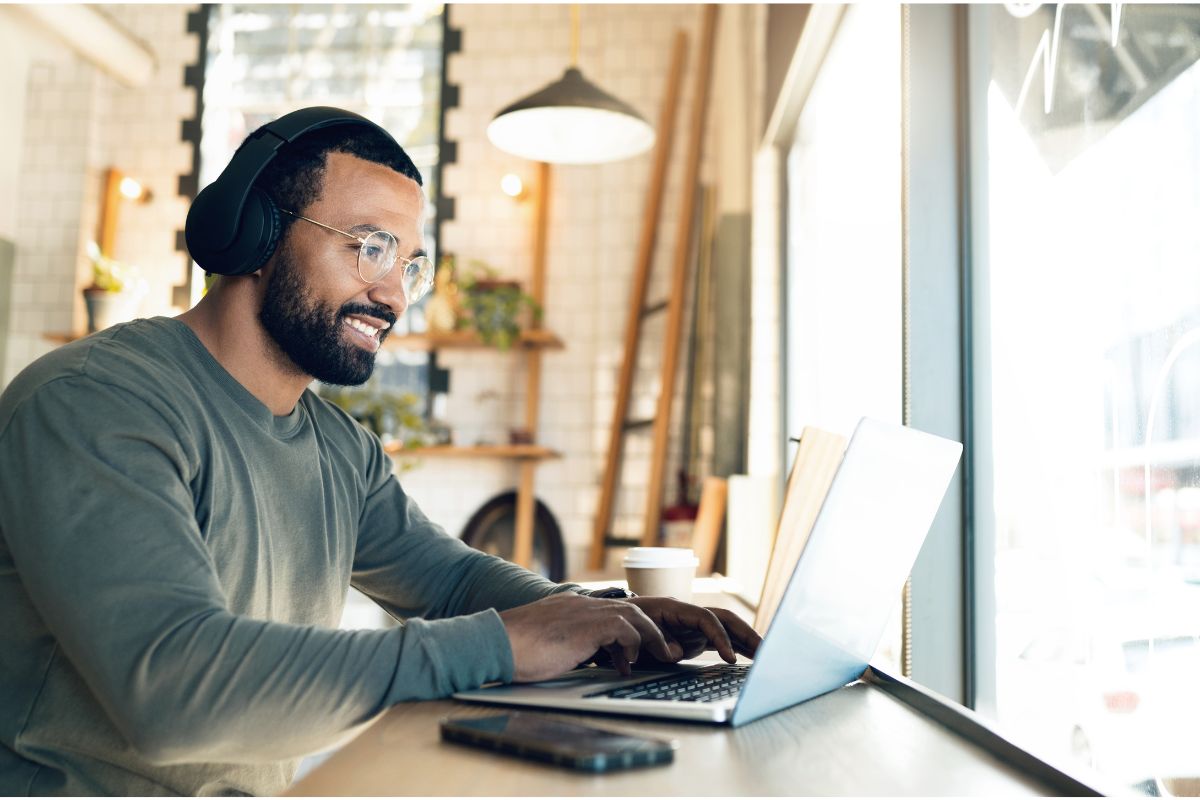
pixel 98 509
pixel 411 567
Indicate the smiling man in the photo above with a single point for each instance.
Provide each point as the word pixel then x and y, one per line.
pixel 181 516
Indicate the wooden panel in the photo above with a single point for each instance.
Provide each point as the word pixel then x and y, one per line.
pixel 62 338
pixel 855 741
pixel 863 739
pixel 637 299
pixel 453 340
pixel 710 518
pixel 817 459
pixel 683 242
pixel 465 340
pixel 532 451
pixel 523 535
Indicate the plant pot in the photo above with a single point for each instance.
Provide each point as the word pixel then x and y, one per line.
pixel 108 308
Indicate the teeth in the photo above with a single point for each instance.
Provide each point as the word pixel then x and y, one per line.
pixel 359 325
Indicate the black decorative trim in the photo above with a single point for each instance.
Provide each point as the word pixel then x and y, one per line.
pixel 447 149
pixel 439 378
pixel 445 208
pixel 189 132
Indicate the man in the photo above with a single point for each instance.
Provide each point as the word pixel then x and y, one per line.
pixel 180 518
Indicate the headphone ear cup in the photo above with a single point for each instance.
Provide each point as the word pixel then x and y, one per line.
pixel 257 236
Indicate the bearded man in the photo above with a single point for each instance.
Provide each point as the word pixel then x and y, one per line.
pixel 181 517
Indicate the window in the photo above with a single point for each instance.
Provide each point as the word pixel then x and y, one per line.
pixel 843 284
pixel 381 61
pixel 1092 190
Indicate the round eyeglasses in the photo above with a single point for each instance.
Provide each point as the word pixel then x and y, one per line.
pixel 378 252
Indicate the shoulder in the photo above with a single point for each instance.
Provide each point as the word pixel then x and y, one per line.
pixel 140 360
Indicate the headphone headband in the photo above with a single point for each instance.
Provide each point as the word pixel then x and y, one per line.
pixel 233 228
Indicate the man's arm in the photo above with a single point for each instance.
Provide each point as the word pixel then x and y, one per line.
pixel 412 568
pixel 101 529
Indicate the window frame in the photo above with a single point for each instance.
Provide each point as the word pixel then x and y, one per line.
pixel 943 641
pixel 943 619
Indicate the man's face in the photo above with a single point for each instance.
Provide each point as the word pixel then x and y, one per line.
pixel 316 307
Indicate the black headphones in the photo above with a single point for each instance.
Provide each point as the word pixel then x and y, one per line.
pixel 233 227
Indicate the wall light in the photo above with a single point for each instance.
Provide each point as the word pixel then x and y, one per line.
pixel 512 186
pixel 133 190
pixel 117 187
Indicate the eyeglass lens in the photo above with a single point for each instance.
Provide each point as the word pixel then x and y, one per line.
pixel 376 257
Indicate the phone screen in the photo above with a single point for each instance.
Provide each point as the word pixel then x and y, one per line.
pixel 567 743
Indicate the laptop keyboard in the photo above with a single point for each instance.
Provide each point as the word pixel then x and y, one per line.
pixel 704 685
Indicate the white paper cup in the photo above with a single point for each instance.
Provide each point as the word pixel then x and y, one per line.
pixel 661 571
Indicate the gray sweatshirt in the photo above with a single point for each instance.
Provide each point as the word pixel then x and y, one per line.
pixel 173 564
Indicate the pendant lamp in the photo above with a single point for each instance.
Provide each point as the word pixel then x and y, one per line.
pixel 571 121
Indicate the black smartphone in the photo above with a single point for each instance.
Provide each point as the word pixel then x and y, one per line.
pixel 567 744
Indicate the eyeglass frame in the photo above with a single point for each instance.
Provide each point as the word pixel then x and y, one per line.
pixel 362 241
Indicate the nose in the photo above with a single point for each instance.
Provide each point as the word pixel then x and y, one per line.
pixel 390 292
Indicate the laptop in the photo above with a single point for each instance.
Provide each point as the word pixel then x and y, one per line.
pixel 848 578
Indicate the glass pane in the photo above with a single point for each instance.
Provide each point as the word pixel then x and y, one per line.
pixel 843 241
pixel 1093 198
pixel 381 61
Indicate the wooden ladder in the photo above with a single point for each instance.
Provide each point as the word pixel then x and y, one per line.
pixel 639 310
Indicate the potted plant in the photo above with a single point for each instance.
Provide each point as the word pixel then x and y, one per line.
pixel 114 293
pixel 393 416
pixel 495 308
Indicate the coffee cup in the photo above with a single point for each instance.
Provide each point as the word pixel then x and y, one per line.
pixel 661 571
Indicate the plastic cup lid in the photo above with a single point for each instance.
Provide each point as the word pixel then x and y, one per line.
pixel 661 557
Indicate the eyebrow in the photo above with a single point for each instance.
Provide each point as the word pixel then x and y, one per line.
pixel 367 227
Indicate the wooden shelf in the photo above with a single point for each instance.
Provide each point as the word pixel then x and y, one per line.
pixel 517 451
pixel 62 338
pixel 455 340
pixel 537 338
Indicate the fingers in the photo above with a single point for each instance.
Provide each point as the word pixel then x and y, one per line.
pixel 710 626
pixel 618 659
pixel 652 638
pixel 624 643
pixel 745 639
pixel 699 628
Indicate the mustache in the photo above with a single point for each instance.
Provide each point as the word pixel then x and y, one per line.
pixel 379 312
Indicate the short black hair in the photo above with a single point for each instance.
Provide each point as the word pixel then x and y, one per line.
pixel 295 177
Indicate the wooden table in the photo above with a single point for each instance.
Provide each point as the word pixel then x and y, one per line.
pixel 879 736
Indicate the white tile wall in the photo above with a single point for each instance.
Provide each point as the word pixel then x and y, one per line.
pixel 62 97
pixel 765 457
pixel 78 122
pixel 595 217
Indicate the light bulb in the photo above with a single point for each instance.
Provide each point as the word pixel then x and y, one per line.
pixel 131 188
pixel 512 186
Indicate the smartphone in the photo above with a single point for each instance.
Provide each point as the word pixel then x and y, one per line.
pixel 567 744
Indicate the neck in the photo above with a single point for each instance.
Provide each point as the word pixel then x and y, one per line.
pixel 226 322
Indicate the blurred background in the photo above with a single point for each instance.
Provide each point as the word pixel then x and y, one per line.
pixel 979 221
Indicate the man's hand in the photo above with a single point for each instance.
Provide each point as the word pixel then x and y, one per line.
pixel 557 633
pixel 696 629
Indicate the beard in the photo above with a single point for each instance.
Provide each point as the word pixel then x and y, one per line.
pixel 310 333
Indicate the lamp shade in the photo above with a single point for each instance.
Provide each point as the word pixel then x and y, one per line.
pixel 571 121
